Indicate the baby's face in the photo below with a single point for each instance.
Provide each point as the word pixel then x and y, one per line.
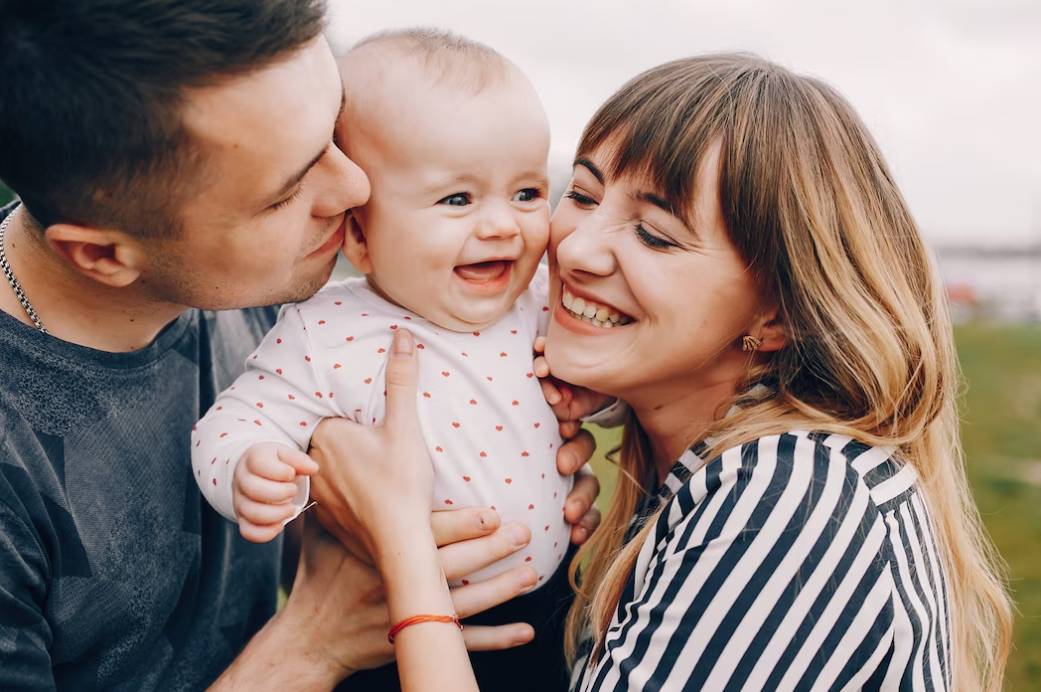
pixel 458 217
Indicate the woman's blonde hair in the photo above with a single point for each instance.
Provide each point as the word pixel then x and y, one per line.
pixel 811 206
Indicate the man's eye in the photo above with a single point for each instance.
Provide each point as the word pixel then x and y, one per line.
pixel 528 194
pixel 459 199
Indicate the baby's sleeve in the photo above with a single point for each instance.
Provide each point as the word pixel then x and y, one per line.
pixel 534 302
pixel 279 398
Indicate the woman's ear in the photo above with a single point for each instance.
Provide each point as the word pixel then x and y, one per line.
pixel 113 258
pixel 355 247
pixel 771 330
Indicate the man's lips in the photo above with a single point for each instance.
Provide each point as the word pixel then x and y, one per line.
pixel 334 243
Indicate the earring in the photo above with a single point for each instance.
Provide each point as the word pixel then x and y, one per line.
pixel 750 343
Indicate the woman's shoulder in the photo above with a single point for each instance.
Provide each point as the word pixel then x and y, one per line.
pixel 797 477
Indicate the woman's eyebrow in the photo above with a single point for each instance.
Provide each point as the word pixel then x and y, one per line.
pixel 664 205
pixel 591 167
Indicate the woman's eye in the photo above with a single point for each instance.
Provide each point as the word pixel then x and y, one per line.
pixel 528 194
pixel 459 199
pixel 651 240
pixel 580 199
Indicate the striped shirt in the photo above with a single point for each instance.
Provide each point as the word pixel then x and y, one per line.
pixel 796 562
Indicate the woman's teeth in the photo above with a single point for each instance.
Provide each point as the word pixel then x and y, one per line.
pixel 588 311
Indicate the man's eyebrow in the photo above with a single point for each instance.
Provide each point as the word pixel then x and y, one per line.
pixel 294 179
pixel 583 161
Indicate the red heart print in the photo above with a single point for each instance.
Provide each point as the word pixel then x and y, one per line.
pixel 368 380
pixel 426 394
pixel 421 347
pixel 215 481
pixel 527 559
pixel 318 394
pixel 543 476
pixel 455 425
pixel 466 478
pixel 407 317
pixel 465 582
pixel 439 449
pixel 483 455
pixel 278 341
pixel 393 326
pixel 516 403
pixel 321 321
pixel 524 454
pixel 338 303
pixel 473 402
pixel 547 528
pixel 499 428
pixel 291 397
pixel 445 373
pixel 531 506
pixel 513 331
pixel 222 435
pixel 508 480
pixel 537 425
pixel 489 379
pixel 261 377
pixel 336 366
pixel 260 404
pixel 382 350
pixel 350 338
pixel 545 308
pixel 448 502
pixel 477 333
pixel 257 422
pixel 308 358
pixel 465 356
pixel 503 354
pixel 278 370
pixel 530 375
pixel 303 424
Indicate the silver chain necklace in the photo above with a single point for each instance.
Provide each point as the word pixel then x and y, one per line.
pixel 13 281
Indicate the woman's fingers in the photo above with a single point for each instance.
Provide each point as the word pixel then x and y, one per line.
pixel 477 598
pixel 460 559
pixel 581 531
pixel 573 454
pixel 457 525
pixel 481 638
pixel 401 376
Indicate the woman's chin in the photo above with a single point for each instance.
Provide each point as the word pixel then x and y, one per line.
pixel 572 366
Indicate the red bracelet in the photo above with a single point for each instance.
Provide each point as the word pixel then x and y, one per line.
pixel 417 619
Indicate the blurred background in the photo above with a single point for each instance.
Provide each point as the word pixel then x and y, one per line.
pixel 951 89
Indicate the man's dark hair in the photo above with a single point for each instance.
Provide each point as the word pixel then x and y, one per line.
pixel 91 93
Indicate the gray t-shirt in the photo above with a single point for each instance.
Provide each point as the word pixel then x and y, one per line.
pixel 114 574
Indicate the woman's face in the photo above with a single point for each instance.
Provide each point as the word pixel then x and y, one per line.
pixel 666 300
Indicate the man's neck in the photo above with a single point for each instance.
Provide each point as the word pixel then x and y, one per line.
pixel 73 307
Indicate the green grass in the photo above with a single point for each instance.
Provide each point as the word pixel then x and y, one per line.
pixel 1001 433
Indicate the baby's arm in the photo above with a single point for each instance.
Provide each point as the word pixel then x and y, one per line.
pixel 266 419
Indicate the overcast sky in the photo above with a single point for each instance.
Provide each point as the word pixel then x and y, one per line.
pixel 950 88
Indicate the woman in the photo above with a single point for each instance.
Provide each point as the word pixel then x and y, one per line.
pixel 788 341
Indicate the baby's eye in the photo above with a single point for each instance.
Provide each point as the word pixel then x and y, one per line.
pixel 459 199
pixel 528 194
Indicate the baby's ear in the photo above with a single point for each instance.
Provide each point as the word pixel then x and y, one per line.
pixel 355 248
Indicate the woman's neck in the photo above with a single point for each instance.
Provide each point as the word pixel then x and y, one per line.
pixel 674 420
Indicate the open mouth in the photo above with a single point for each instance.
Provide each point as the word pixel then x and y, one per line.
pixel 604 316
pixel 484 272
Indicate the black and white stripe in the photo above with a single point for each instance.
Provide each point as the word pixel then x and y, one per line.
pixel 796 562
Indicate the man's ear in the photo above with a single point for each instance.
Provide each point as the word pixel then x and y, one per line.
pixel 771 329
pixel 355 247
pixel 109 257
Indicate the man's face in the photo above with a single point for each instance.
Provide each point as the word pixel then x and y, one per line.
pixel 268 224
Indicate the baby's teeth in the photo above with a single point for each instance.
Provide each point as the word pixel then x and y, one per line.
pixel 590 310
pixel 624 320
pixel 568 300
pixel 577 306
pixel 614 317
pixel 601 315
pixel 608 324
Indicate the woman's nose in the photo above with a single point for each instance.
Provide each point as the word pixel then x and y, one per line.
pixel 345 185
pixel 586 249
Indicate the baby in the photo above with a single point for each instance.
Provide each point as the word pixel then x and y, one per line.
pixel 454 141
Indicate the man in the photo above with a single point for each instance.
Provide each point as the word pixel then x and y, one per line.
pixel 171 155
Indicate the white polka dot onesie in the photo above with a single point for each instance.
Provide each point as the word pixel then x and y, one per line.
pixel 492 438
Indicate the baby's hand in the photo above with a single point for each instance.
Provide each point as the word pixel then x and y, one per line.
pixel 569 403
pixel 264 486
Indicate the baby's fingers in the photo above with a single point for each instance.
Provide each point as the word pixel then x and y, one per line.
pixel 267 463
pixel 264 490
pixel 259 533
pixel 301 462
pixel 262 514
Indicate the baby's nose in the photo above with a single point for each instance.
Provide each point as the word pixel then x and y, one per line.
pixel 497 224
